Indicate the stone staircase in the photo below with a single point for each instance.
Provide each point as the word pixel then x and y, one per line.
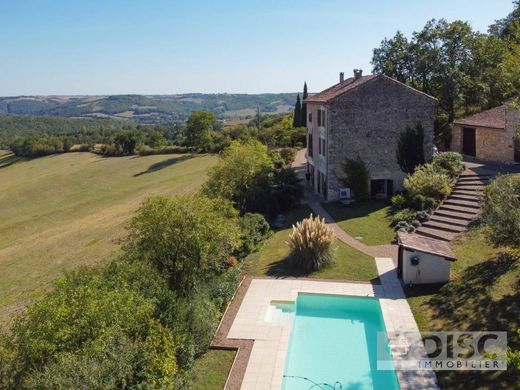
pixel 455 213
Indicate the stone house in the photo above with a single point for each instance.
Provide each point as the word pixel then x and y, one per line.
pixel 363 116
pixel 488 135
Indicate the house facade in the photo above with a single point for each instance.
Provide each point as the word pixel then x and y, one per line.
pixel 488 135
pixel 362 117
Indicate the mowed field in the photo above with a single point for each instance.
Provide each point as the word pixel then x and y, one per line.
pixel 62 211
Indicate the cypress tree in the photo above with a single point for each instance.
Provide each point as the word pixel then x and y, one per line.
pixel 297 112
pixel 304 106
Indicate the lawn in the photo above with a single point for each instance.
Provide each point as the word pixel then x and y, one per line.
pixel 367 220
pixel 62 211
pixel 211 370
pixel 484 294
pixel 271 259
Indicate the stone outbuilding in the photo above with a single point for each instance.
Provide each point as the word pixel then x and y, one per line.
pixel 363 117
pixel 489 135
pixel 423 260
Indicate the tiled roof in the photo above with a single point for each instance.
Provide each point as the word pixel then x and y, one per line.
pixel 426 245
pixel 338 89
pixel 494 118
pixel 349 84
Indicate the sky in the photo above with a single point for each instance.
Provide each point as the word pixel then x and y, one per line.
pixel 89 47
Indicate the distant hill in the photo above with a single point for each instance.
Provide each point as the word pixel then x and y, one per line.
pixel 148 108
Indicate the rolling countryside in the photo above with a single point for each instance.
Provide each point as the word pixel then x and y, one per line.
pixel 62 211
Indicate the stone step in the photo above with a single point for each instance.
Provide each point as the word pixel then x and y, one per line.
pixel 448 220
pixel 472 204
pixel 474 176
pixel 471 183
pixel 447 213
pixel 444 226
pixel 475 193
pixel 459 196
pixel 435 233
pixel 470 211
pixel 463 187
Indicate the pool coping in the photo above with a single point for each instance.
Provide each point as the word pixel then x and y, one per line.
pixel 394 307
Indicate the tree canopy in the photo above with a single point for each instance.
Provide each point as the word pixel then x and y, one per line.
pixel 466 70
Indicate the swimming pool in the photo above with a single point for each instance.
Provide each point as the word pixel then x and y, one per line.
pixel 333 343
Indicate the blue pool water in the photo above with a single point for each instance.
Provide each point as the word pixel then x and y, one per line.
pixel 334 341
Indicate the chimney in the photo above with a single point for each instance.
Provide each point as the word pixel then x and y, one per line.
pixel 341 77
pixel 358 73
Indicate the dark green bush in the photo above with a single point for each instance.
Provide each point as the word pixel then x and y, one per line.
pixel 410 148
pixel 415 223
pixel 422 216
pixel 255 229
pixel 356 177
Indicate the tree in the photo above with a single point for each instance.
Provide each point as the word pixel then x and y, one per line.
pixel 410 148
pixel 96 327
pixel 465 70
pixel 157 139
pixel 126 142
pixel 304 106
pixel 356 177
pixel 297 117
pixel 242 175
pixel 188 238
pixel 501 210
pixel 200 130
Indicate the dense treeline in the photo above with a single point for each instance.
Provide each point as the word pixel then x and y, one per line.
pixel 12 127
pixel 203 132
pixel 467 71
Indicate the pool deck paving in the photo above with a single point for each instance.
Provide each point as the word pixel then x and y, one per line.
pixel 268 342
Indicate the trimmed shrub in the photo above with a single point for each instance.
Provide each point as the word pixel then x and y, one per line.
pixel 311 244
pixel 404 226
pixel 449 163
pixel 415 223
pixel 501 210
pixel 428 182
pixel 406 215
pixel 255 229
pixel 421 202
pixel 422 216
pixel 356 176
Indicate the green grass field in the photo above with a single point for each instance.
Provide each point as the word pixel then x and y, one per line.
pixel 211 370
pixel 62 211
pixel 367 220
pixel 350 264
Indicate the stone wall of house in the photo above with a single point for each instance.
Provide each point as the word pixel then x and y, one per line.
pixel 494 145
pixel 316 160
pixel 367 122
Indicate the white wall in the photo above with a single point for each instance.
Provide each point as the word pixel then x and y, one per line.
pixel 431 268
